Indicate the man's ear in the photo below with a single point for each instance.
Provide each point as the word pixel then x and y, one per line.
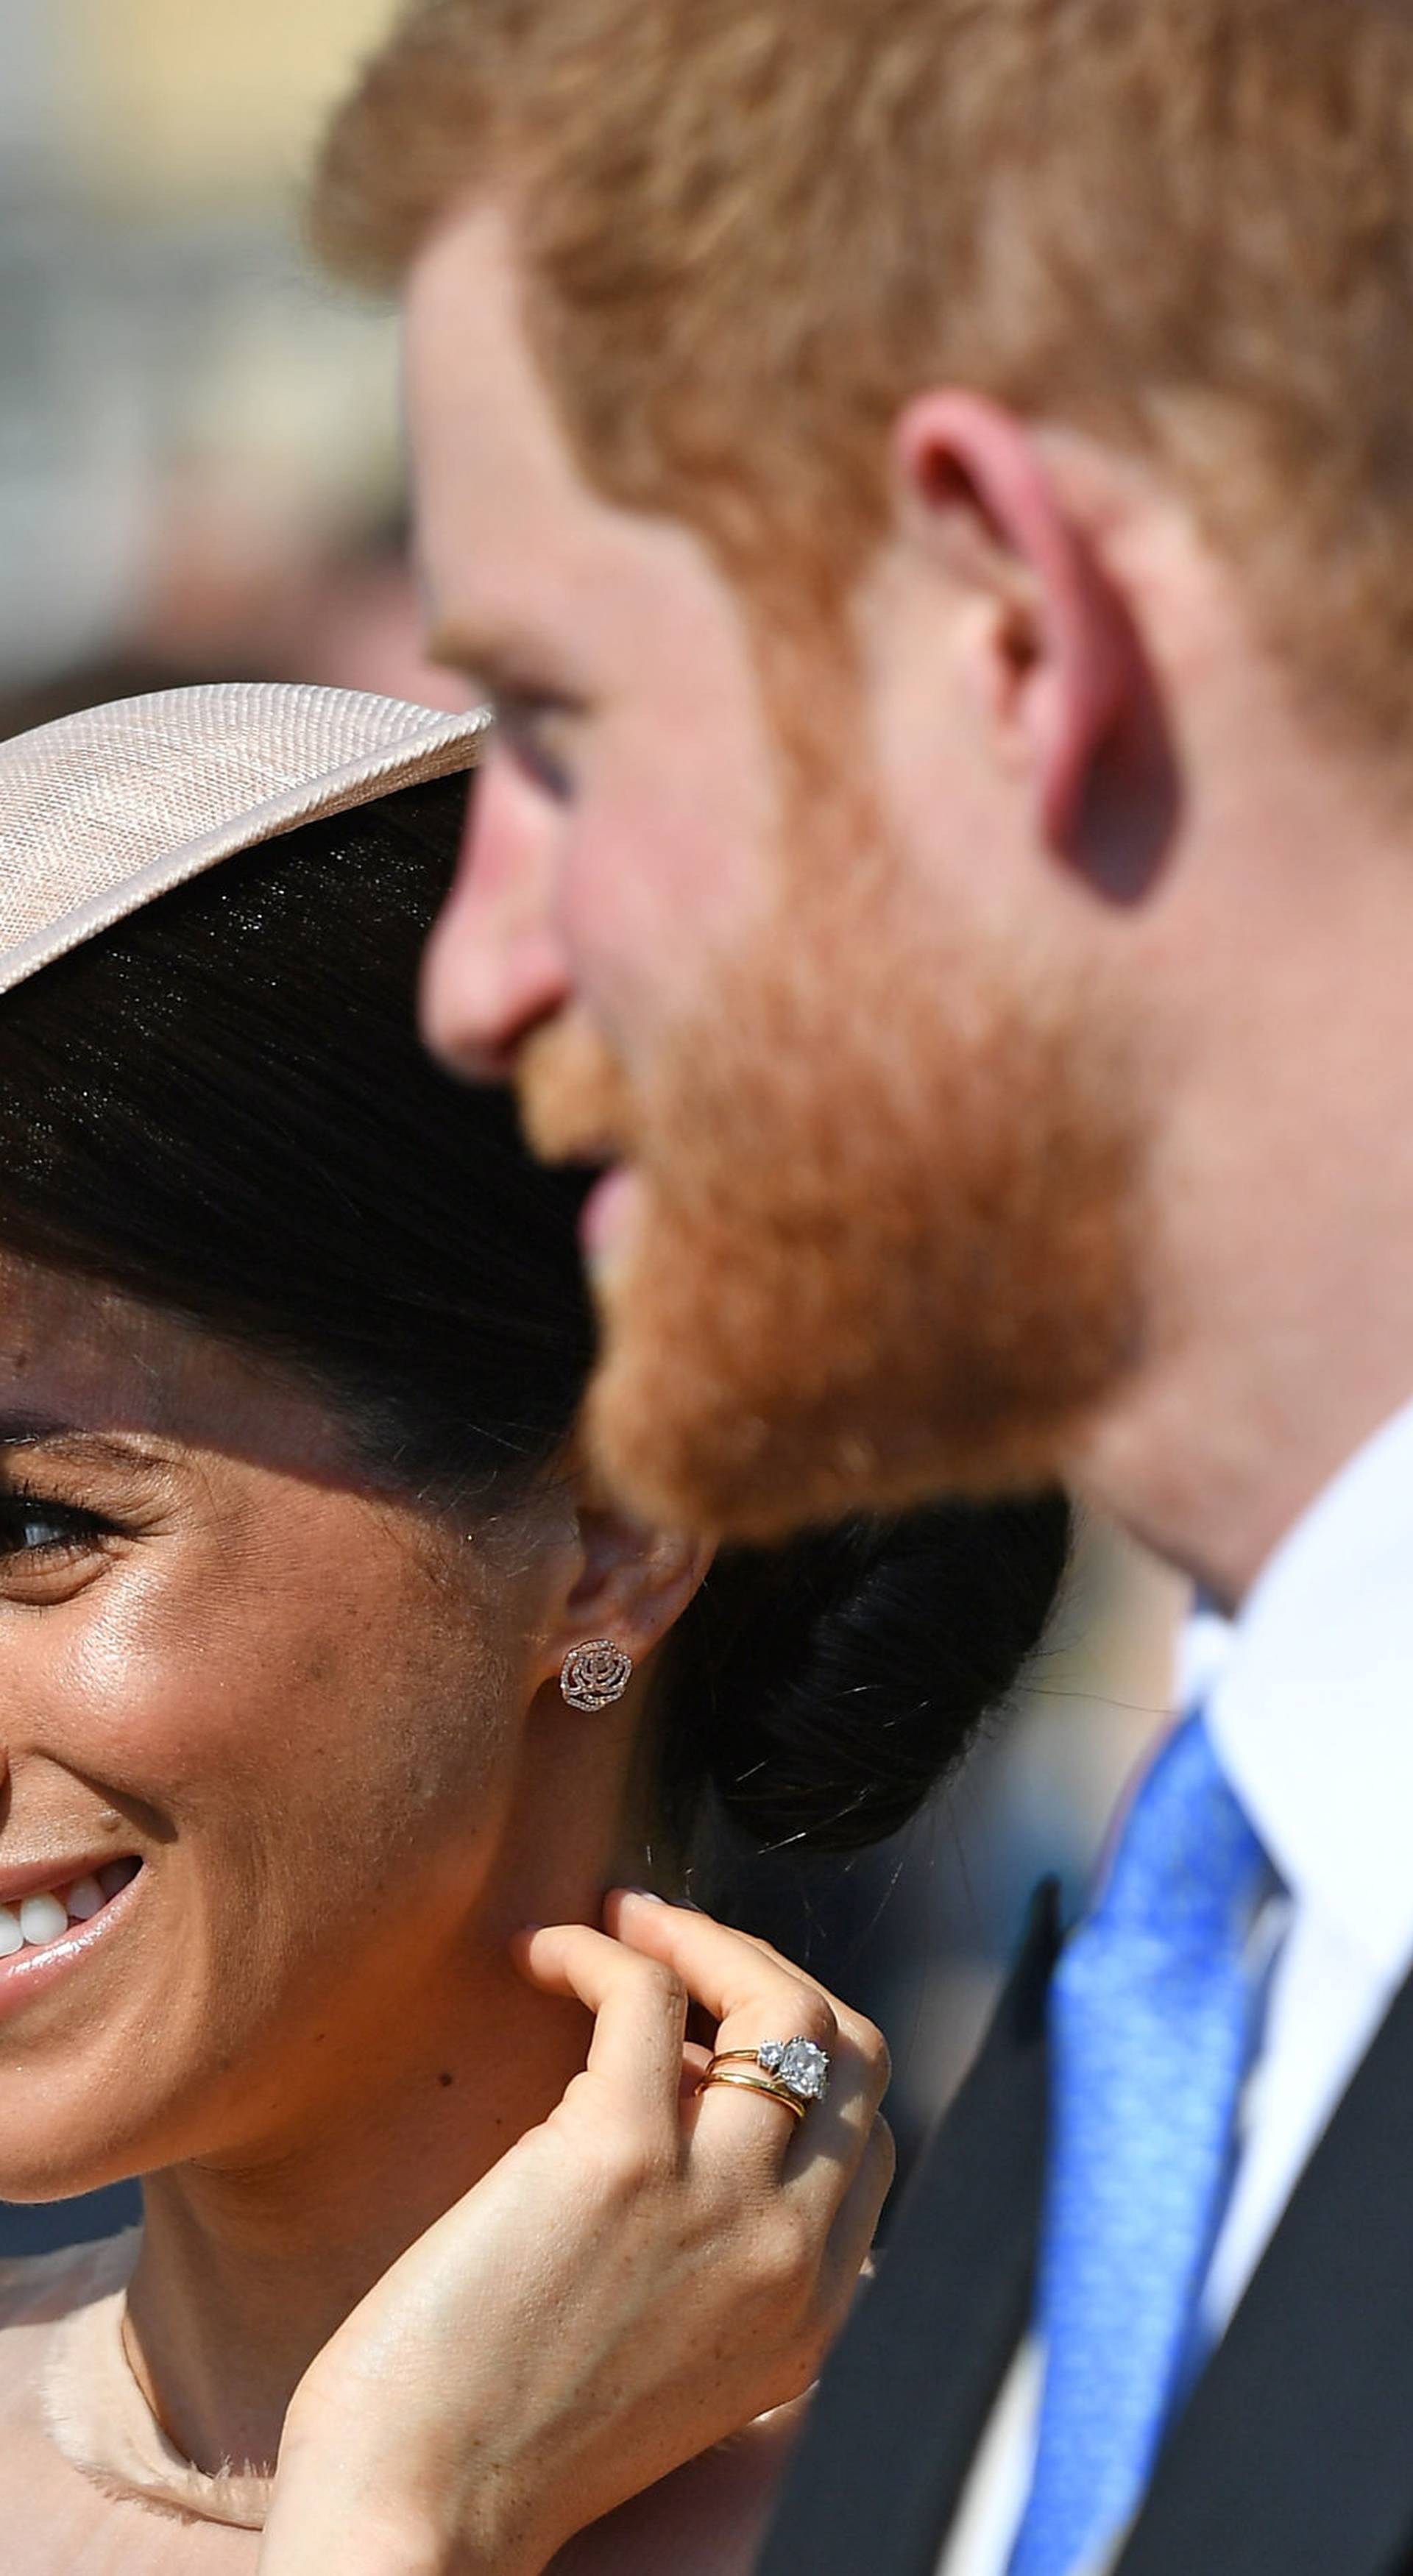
pixel 1069 685
pixel 623 1582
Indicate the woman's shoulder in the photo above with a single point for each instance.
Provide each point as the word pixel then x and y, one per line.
pixel 37 2290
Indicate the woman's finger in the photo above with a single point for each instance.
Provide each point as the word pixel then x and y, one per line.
pixel 637 1919
pixel 844 2012
pixel 855 2222
pixel 755 1995
pixel 639 2006
pixel 834 2133
pixel 638 1986
pixel 751 1995
pixel 740 1978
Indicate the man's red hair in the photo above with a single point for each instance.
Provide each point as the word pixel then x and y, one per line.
pixel 751 229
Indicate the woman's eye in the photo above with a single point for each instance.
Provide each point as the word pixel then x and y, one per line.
pixel 30 1528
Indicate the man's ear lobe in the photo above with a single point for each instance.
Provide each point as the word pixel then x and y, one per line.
pixel 1071 688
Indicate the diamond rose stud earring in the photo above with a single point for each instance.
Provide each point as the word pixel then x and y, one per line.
pixel 595 1674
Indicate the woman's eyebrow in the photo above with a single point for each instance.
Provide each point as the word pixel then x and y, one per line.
pixel 30 1432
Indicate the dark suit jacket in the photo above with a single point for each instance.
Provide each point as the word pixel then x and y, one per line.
pixel 1294 2453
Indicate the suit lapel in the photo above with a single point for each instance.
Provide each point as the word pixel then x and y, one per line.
pixel 908 2389
pixel 1294 2455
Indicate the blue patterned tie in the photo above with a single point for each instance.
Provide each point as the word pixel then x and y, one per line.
pixel 1152 2022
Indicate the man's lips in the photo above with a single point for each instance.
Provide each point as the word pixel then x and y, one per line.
pixel 602 1215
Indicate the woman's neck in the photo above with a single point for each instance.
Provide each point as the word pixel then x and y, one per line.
pixel 246 2270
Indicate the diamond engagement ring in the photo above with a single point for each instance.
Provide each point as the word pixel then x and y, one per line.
pixel 792 2071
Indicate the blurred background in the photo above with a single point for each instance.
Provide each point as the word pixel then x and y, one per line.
pixel 200 477
pixel 198 440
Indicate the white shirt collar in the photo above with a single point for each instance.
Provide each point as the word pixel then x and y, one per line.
pixel 1309 1696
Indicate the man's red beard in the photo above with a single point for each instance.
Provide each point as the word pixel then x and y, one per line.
pixel 885 1246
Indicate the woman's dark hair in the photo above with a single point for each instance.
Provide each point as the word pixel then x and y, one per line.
pixel 221 1106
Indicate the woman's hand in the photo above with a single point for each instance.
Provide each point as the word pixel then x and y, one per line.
pixel 637 2278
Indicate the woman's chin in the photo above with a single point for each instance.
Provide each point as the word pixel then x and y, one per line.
pixel 60 2174
pixel 58 2141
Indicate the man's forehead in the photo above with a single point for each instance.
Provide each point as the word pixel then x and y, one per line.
pixel 516 548
pixel 487 445
pixel 510 539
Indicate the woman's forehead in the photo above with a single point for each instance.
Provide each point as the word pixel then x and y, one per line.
pixel 80 1361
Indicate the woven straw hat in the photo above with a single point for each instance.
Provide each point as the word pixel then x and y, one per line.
pixel 102 811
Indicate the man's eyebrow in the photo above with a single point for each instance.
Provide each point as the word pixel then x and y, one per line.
pixel 502 668
pixel 463 650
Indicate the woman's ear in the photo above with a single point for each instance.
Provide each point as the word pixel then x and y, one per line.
pixel 624 1583
pixel 1067 681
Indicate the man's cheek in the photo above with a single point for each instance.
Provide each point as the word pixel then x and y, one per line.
pixel 654 900
pixel 619 902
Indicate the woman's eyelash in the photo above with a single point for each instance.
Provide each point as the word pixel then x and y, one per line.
pixel 35 1525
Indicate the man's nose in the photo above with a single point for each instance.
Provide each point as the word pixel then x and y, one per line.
pixel 493 968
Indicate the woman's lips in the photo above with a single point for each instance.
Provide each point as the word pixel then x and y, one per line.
pixel 33 1915
pixel 52 1930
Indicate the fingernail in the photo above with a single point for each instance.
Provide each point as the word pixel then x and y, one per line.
pixel 649 1895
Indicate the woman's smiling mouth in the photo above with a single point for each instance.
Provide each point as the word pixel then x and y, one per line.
pixel 44 1928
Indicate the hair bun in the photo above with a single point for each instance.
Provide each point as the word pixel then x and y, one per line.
pixel 823 1691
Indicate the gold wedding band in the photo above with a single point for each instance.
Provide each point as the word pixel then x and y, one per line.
pixel 792 2071
pixel 741 2083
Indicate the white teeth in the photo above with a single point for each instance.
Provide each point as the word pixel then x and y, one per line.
pixel 34 1920
pixel 42 1918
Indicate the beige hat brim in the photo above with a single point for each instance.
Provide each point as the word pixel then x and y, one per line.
pixel 103 811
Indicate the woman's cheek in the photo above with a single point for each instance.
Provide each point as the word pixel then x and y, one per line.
pixel 147 1696
pixel 157 1693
